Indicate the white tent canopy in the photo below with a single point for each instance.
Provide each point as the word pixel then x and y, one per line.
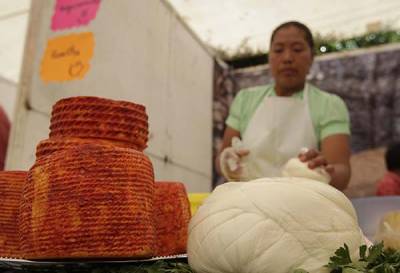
pixel 228 24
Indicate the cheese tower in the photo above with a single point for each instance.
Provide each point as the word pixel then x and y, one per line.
pixel 172 216
pixel 98 118
pixel 89 201
pixel 11 184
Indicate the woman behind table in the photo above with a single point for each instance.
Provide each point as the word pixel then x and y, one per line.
pixel 275 121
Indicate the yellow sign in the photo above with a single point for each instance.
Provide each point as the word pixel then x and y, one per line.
pixel 67 57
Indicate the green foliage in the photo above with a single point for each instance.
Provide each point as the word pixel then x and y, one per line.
pixel 374 259
pixel 342 257
pixel 246 56
pixel 325 45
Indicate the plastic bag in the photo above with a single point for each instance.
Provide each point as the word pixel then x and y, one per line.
pixel 389 230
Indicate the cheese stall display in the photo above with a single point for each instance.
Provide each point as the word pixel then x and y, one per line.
pixel 91 192
pixel 91 195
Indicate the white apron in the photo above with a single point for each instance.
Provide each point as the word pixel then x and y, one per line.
pixel 279 128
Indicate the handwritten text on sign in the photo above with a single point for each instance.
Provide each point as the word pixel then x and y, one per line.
pixel 73 13
pixel 67 57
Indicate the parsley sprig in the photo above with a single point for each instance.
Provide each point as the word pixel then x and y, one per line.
pixel 375 259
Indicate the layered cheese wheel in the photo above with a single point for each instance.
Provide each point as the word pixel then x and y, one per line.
pixel 11 184
pixel 93 117
pixel 51 145
pixel 172 216
pixel 89 201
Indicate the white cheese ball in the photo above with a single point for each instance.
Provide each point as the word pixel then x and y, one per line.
pixel 296 168
pixel 272 225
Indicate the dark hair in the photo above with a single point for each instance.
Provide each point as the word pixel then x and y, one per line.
pixel 392 157
pixel 307 32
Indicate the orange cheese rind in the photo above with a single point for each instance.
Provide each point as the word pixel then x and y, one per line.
pixel 11 185
pixel 172 216
pixel 89 201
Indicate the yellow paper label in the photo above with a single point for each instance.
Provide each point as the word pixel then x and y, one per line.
pixel 67 57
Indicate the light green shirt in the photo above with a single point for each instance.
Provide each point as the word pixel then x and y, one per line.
pixel 328 112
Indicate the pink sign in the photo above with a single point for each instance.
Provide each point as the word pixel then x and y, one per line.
pixel 73 13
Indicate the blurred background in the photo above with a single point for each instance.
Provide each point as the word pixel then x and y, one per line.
pixel 187 59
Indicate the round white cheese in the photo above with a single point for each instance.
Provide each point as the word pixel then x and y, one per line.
pixel 272 225
pixel 296 168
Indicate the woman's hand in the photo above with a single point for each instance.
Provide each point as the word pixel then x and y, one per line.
pixel 230 163
pixel 334 158
pixel 316 159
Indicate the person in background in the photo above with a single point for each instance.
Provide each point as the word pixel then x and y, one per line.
pixel 270 124
pixel 390 182
pixel 4 134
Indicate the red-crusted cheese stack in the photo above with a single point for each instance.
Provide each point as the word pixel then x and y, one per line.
pixel 172 216
pixel 91 192
pixel 11 184
pixel 89 201
pixel 99 118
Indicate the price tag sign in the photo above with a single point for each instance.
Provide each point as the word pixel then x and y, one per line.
pixel 67 57
pixel 73 13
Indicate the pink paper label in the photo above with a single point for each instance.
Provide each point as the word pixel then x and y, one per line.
pixel 73 13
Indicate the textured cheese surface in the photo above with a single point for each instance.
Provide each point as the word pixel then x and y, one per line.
pixel 89 201
pixel 11 185
pixel 54 144
pixel 171 216
pixel 272 225
pixel 93 117
pixel 296 168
